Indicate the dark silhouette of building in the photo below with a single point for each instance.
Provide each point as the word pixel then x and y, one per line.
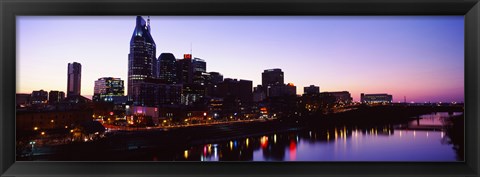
pixel 74 79
pixel 184 69
pixel 375 98
pixel 142 62
pixel 39 97
pixel 199 71
pixel 281 90
pixel 55 96
pixel 340 97
pixel 272 77
pixel 259 93
pixel 310 90
pixel 108 89
pixel 167 68
pixel 237 96
pixel 212 81
pixel 22 99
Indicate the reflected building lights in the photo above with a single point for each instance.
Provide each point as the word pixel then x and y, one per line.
pixel 185 154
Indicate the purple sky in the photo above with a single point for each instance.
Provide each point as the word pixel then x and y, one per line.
pixel 420 57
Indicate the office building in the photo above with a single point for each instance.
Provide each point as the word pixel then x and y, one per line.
pixel 108 89
pixel 167 68
pixel 55 96
pixel 199 71
pixel 311 90
pixel 184 69
pixel 272 77
pixel 74 79
pixel 39 97
pixel 142 62
pixel 375 98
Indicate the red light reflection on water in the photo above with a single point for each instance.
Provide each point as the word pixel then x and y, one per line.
pixel 264 142
pixel 293 150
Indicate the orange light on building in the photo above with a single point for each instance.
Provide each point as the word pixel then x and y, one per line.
pixel 264 142
pixel 187 56
pixel 290 84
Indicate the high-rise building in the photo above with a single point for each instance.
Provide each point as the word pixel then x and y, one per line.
pixel 55 96
pixel 142 62
pixel 310 90
pixel 108 89
pixel 167 68
pixel 39 97
pixel 184 69
pixel 74 79
pixel 199 71
pixel 272 77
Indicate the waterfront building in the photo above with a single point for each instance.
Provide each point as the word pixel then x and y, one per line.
pixel 142 62
pixel 343 97
pixel 55 96
pixel 74 79
pixel 39 97
pixel 310 90
pixel 237 96
pixel 167 68
pixel 108 89
pixel 375 98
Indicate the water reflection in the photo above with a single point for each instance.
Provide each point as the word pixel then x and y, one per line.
pixel 343 143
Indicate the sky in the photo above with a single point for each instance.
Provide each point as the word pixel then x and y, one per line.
pixel 417 57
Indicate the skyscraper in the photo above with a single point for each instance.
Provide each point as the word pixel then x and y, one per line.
pixel 184 69
pixel 74 79
pixel 199 71
pixel 142 62
pixel 272 77
pixel 167 68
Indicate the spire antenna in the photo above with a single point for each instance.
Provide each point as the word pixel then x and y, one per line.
pixel 191 49
pixel 148 23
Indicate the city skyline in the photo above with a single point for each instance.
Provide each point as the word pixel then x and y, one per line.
pixel 427 54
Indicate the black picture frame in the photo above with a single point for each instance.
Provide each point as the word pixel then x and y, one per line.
pixel 11 8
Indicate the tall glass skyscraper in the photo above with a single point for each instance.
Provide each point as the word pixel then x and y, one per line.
pixel 142 63
pixel 74 79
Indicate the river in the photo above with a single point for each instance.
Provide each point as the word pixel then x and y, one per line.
pixel 423 139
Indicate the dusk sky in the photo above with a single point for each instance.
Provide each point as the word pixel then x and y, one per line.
pixel 420 57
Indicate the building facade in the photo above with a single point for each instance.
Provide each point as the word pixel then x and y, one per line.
pixel 74 79
pixel 55 96
pixel 108 89
pixel 39 97
pixel 310 90
pixel 167 68
pixel 376 98
pixel 142 61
